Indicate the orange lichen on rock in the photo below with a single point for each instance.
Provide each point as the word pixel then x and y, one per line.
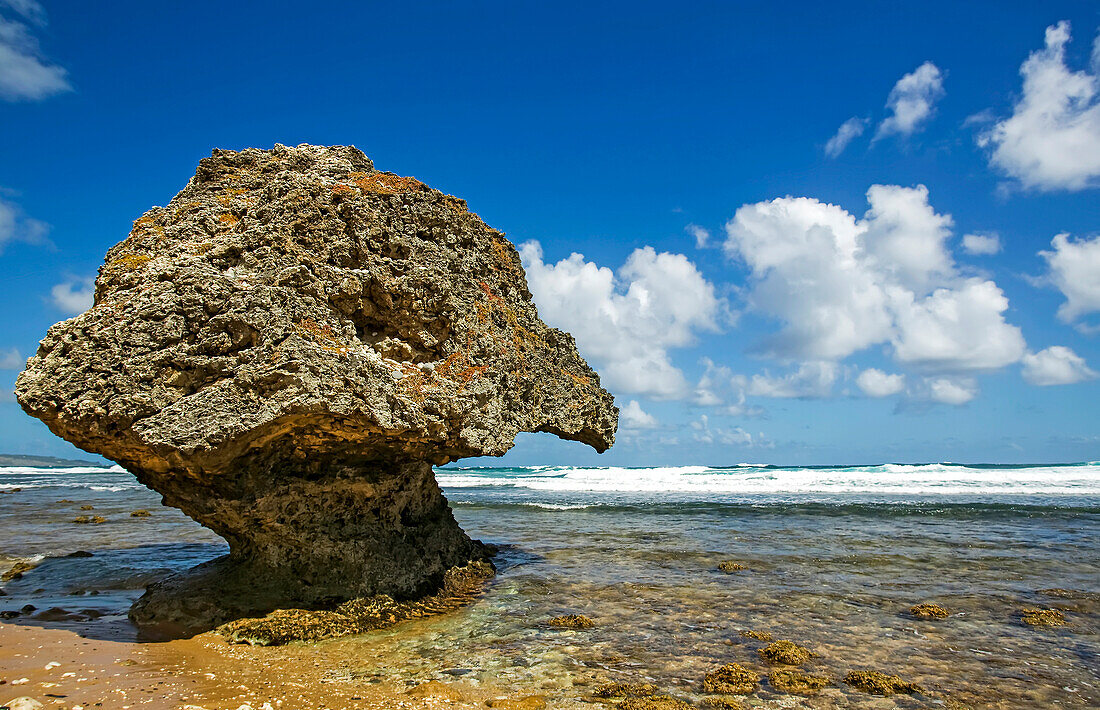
pixel 386 183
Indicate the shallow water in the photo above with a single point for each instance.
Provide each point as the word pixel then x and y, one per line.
pixel 836 556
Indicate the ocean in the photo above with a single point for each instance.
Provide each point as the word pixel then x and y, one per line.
pixel 833 556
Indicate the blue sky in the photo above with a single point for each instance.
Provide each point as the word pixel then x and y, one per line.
pixel 745 290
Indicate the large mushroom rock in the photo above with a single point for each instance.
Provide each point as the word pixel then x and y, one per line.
pixel 284 351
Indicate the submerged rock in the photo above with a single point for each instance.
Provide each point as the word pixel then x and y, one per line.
pixel 16 571
pixel 284 351
pixel 723 702
pixel 89 519
pixel 758 635
pixel 1070 594
pixel 523 702
pixel 571 621
pixel 1042 617
pixel 624 690
pixel 929 611
pixel 880 683
pixel 654 702
pixel 797 682
pixel 785 652
pixel 140 513
pixel 731 679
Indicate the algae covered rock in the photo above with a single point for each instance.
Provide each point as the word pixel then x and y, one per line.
pixel 283 351
pixel 625 690
pixel 1033 616
pixel 879 683
pixel 758 635
pixel 571 621
pixel 731 679
pixel 729 567
pixel 928 611
pixel 654 702
pixel 797 682
pixel 785 652
pixel 460 586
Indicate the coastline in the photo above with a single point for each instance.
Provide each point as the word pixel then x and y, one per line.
pixel 836 573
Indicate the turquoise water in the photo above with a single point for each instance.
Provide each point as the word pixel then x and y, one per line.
pixel 835 557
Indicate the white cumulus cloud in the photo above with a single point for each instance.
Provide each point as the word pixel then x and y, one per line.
pixel 74 296
pixel 1074 268
pixel 848 131
pixel 1052 139
pixel 981 244
pixel 17 227
pixel 1057 365
pixel 957 329
pixel 839 284
pixel 626 323
pixel 704 433
pixel 24 73
pixel 720 388
pixel 11 360
pixel 912 101
pixel 876 383
pixel 701 235
pixel 632 416
pixel 955 391
pixel 812 380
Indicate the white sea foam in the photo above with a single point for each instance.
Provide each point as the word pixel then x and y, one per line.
pixel 886 479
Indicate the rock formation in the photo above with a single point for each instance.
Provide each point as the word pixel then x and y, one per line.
pixel 284 351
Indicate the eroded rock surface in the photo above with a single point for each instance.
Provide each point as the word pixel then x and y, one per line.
pixel 283 351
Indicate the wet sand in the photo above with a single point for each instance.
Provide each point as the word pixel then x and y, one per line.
pixel 61 669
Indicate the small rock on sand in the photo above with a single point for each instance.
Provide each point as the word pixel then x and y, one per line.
pixel 23 703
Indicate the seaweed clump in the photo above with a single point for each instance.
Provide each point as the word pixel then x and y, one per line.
pixel 1033 616
pixel 460 586
pixel 758 635
pixel 654 702
pixel 571 621
pixel 878 683
pixel 723 702
pixel 929 611
pixel 785 652
pixel 729 567
pixel 731 679
pixel 625 690
pixel 792 681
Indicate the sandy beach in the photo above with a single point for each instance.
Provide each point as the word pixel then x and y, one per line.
pixel 62 669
